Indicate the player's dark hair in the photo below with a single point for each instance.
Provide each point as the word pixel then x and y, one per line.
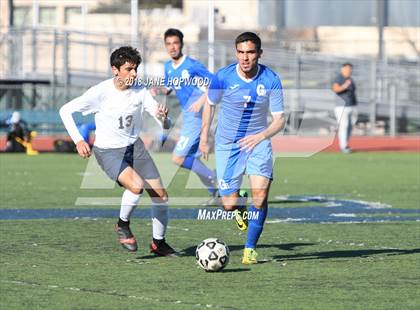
pixel 249 36
pixel 347 64
pixel 172 32
pixel 125 54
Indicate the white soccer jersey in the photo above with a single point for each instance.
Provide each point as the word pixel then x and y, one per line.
pixel 118 114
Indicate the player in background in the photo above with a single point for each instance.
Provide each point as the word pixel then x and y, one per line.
pixel 118 105
pixel 247 92
pixel 345 110
pixel 189 78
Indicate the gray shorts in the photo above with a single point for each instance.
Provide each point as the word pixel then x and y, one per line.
pixel 114 161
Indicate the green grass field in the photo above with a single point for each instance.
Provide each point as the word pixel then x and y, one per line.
pixel 77 263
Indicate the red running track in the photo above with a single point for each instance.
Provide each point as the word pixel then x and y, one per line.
pixel 305 144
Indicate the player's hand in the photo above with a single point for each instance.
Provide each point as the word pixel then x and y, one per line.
pixel 346 84
pixel 162 112
pixel 249 142
pixel 196 106
pixel 83 149
pixel 204 148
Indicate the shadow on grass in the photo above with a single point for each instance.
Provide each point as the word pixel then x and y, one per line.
pixel 235 270
pixel 302 199
pixel 344 254
pixel 190 251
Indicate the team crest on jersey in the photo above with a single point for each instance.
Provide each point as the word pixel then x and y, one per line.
pixel 223 184
pixel 185 74
pixel 261 91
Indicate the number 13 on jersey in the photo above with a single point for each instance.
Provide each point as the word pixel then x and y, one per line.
pixel 125 122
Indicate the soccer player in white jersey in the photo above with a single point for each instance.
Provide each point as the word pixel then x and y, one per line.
pixel 189 79
pixel 247 93
pixel 118 104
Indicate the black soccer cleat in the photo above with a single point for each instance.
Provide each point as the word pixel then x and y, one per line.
pixel 126 238
pixel 161 248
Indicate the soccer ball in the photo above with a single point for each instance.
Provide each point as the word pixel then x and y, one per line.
pixel 212 254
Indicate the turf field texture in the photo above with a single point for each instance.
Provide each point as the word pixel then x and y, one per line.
pixel 76 263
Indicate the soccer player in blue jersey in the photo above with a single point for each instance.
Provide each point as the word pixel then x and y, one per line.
pixel 247 92
pixel 189 78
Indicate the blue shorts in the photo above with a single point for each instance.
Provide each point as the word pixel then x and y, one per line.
pixel 232 164
pixel 188 142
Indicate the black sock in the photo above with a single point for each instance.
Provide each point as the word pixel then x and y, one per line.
pixel 157 241
pixel 122 223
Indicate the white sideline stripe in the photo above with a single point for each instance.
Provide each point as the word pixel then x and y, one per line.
pixel 285 220
pixel 112 293
pixel 372 204
pixel 113 201
pixel 343 214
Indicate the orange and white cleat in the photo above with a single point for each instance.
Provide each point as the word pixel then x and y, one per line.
pixel 126 238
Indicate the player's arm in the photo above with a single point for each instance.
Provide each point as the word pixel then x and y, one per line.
pixel 337 88
pixel 205 76
pixel 80 104
pixel 277 124
pixel 214 96
pixel 162 88
pixel 158 111
pixel 154 91
pixel 196 106
pixel 207 119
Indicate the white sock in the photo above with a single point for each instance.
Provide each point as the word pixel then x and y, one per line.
pixel 128 204
pixel 159 219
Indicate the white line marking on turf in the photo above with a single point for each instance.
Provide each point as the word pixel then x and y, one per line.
pixel 371 204
pixel 285 220
pixel 343 214
pixel 146 201
pixel 113 293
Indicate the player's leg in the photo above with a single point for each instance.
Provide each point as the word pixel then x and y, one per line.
pixel 260 171
pixel 343 128
pixel 116 164
pixel 187 155
pixel 347 127
pixel 146 168
pixel 236 203
pixel 257 213
pixel 230 167
pixel 352 121
pixel 159 214
pixel 193 163
pixel 133 185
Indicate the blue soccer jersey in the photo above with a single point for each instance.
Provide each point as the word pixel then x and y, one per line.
pixel 244 107
pixel 188 79
pixel 244 103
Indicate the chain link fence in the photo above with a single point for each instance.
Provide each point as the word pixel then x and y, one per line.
pixel 40 70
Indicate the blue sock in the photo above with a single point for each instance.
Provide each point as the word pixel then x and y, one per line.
pixel 206 175
pixel 255 225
